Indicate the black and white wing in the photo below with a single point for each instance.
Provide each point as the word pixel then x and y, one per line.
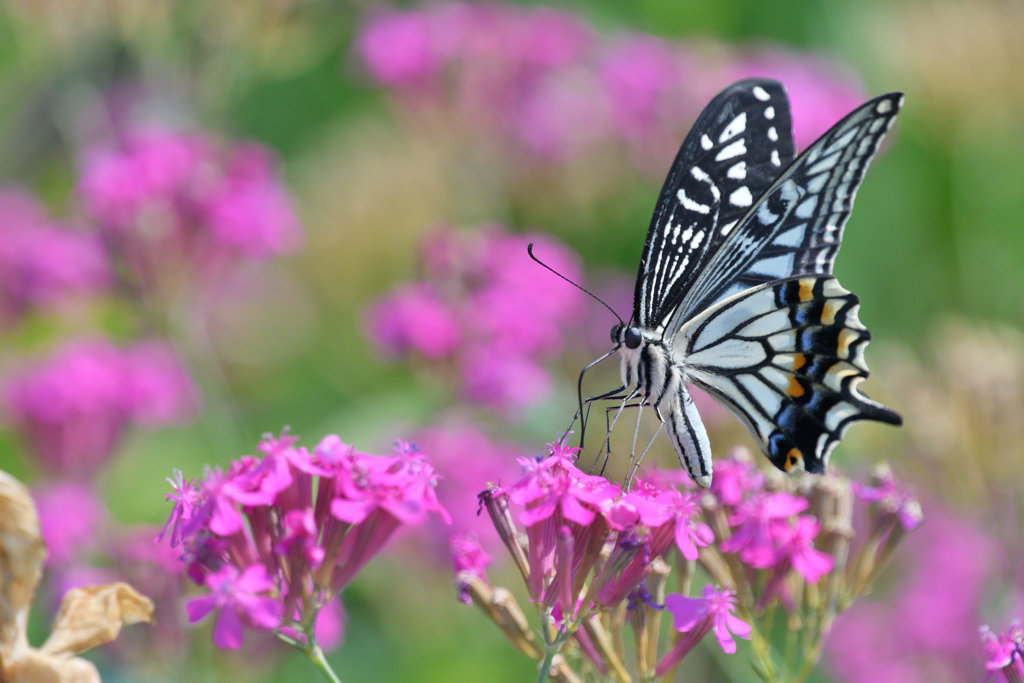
pixel 738 145
pixel 796 227
pixel 786 357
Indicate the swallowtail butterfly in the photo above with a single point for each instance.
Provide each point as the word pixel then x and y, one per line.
pixel 735 292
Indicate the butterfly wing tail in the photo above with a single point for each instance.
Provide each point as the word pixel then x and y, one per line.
pixel 787 358
pixel 688 436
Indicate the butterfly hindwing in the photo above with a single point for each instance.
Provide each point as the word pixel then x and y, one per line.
pixel 787 358
pixel 736 148
pixel 815 196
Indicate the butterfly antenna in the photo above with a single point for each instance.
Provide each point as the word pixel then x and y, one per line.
pixel 529 250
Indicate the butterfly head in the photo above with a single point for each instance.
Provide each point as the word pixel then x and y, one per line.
pixel 631 337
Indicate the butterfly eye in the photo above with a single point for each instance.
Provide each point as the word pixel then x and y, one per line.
pixel 633 338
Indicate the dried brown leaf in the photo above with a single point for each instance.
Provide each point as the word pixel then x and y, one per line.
pixel 22 552
pixel 35 666
pixel 93 615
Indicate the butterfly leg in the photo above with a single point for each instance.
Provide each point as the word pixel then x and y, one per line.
pixel 610 425
pixel 632 473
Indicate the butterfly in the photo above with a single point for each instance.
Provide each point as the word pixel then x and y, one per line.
pixel 735 293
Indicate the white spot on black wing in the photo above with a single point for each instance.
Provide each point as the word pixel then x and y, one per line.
pixel 735 127
pixel 732 150
pixel 760 93
pixel 773 135
pixel 769 113
pixel 884 107
pixel 775 158
pixel 741 197
pixel 705 142
pixel 737 171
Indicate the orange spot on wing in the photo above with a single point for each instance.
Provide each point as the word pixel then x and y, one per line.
pixel 799 360
pixel 806 289
pixel 795 389
pixel 846 337
pixel 792 458
pixel 828 313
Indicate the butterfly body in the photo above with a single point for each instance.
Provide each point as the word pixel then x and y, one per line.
pixel 734 290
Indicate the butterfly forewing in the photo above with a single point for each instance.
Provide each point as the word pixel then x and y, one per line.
pixel 796 227
pixel 787 358
pixel 736 148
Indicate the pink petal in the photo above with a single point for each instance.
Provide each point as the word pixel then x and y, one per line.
pixel 684 542
pixel 197 608
pixel 253 580
pixel 351 511
pixel 812 564
pixel 723 635
pixel 227 632
pixel 686 612
pixel 737 626
pixel 572 510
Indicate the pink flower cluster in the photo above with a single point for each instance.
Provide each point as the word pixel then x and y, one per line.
pixel 485 309
pixel 571 516
pixel 165 197
pixel 545 80
pixel 41 261
pixel 75 406
pixel 715 611
pixel 767 530
pixel 275 537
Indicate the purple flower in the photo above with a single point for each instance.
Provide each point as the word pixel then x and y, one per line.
pixel 71 519
pixel 735 478
pixel 468 557
pixel 76 406
pixel 716 611
pixel 754 537
pixel 1003 652
pixel 239 599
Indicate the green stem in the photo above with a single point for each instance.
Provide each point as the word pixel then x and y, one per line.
pixel 545 666
pixel 317 656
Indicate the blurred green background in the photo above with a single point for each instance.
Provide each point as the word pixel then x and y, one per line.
pixel 936 231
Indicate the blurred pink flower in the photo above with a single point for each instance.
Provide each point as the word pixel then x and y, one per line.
pixel 414 319
pixel 173 200
pixel 636 73
pixel 468 558
pixel 40 261
pixel 929 622
pixel 397 48
pixel 488 307
pixel 75 406
pixel 72 520
pixel 250 212
pixel 755 537
pixel 467 462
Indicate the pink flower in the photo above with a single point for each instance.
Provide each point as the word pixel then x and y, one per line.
pixel 486 306
pixel 735 477
pixel 467 461
pixel 41 262
pixel 697 616
pixel 76 406
pixel 397 48
pixel 889 493
pixel 754 538
pixel 1003 651
pixel 796 546
pixel 468 557
pixel 635 74
pixel 300 537
pixel 414 319
pixel 71 519
pixel 238 598
pixel 250 212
